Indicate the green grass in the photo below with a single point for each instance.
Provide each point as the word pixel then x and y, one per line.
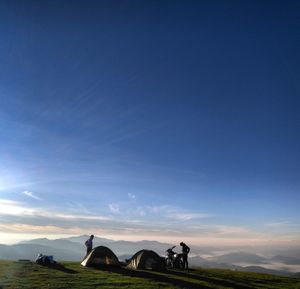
pixel 15 275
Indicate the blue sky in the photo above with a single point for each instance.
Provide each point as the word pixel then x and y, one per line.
pixel 150 119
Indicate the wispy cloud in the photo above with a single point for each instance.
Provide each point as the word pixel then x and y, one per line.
pixel 161 209
pixel 79 217
pixel 31 195
pixel 147 222
pixel 114 208
pixel 280 224
pixel 140 211
pixel 26 228
pixel 131 196
pixel 13 208
pixel 188 216
pixel 176 213
pixel 77 207
pixel 221 230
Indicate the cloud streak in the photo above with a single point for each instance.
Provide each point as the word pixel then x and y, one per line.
pixel 31 195
pixel 162 223
pixel 14 208
pixel 188 216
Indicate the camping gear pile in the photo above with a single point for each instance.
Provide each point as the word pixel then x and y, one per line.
pixel 44 260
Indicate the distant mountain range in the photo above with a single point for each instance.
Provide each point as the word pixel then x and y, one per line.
pixel 73 249
pixel 286 260
pixel 240 257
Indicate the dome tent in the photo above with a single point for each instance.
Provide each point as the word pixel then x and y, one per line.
pixel 146 259
pixel 102 256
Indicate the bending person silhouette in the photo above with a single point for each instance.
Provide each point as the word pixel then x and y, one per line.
pixel 185 250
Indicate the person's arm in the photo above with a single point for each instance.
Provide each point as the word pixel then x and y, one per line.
pixel 188 249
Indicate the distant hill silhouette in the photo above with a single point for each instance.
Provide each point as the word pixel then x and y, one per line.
pixel 286 260
pixel 82 238
pixel 259 269
pixel 240 257
pixel 30 251
pixel 73 248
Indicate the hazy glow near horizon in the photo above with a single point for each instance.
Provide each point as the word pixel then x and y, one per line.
pixel 169 122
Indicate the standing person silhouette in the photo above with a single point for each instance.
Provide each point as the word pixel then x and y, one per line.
pixel 185 250
pixel 89 244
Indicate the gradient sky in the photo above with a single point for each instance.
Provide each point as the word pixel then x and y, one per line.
pixel 150 120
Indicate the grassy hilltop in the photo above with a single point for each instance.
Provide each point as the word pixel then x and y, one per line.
pixel 15 275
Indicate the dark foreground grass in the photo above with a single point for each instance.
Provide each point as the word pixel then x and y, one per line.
pixel 15 275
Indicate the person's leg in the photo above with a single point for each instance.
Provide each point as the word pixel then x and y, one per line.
pixel 184 261
pixel 88 250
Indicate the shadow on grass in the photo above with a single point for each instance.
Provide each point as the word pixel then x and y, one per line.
pixel 60 267
pixel 155 277
pixel 213 280
pixel 166 276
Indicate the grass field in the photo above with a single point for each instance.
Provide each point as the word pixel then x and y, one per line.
pixel 15 275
